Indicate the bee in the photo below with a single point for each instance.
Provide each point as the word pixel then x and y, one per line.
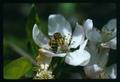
pixel 56 41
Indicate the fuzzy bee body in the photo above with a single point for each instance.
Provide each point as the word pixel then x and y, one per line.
pixel 56 41
pixel 53 44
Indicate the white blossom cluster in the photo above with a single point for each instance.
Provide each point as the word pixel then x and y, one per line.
pixel 91 46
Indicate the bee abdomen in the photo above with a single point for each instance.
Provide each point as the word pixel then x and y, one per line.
pixel 54 49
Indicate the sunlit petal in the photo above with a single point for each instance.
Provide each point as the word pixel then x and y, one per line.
pixel 39 38
pixel 77 37
pixel 88 25
pixel 57 23
pixel 51 54
pixel 83 45
pixel 78 58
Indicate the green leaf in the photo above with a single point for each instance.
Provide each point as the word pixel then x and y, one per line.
pixel 17 68
pixel 19 42
pixel 33 18
pixel 29 26
pixel 29 74
pixel 9 53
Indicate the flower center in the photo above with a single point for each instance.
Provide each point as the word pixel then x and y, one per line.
pixel 57 43
pixel 43 74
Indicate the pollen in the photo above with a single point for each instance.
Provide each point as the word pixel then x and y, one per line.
pixel 44 74
pixel 40 50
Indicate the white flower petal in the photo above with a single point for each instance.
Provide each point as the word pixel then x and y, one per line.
pixel 57 23
pixel 112 71
pixel 46 66
pixel 96 68
pixel 112 75
pixel 39 38
pixel 111 44
pixel 77 37
pixel 83 45
pixel 105 45
pixel 42 66
pixel 92 49
pixel 110 26
pixel 94 35
pixel 109 30
pixel 88 25
pixel 78 58
pixel 93 71
pixel 51 54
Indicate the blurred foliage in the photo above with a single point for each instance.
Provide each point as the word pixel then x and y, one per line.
pixel 9 53
pixel 29 25
pixel 67 8
pixel 19 18
pixel 17 68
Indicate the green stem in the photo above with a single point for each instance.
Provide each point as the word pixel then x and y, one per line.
pixel 58 68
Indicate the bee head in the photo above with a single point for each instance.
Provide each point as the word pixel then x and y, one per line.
pixel 57 35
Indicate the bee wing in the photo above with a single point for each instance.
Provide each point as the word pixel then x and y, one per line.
pixel 39 38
